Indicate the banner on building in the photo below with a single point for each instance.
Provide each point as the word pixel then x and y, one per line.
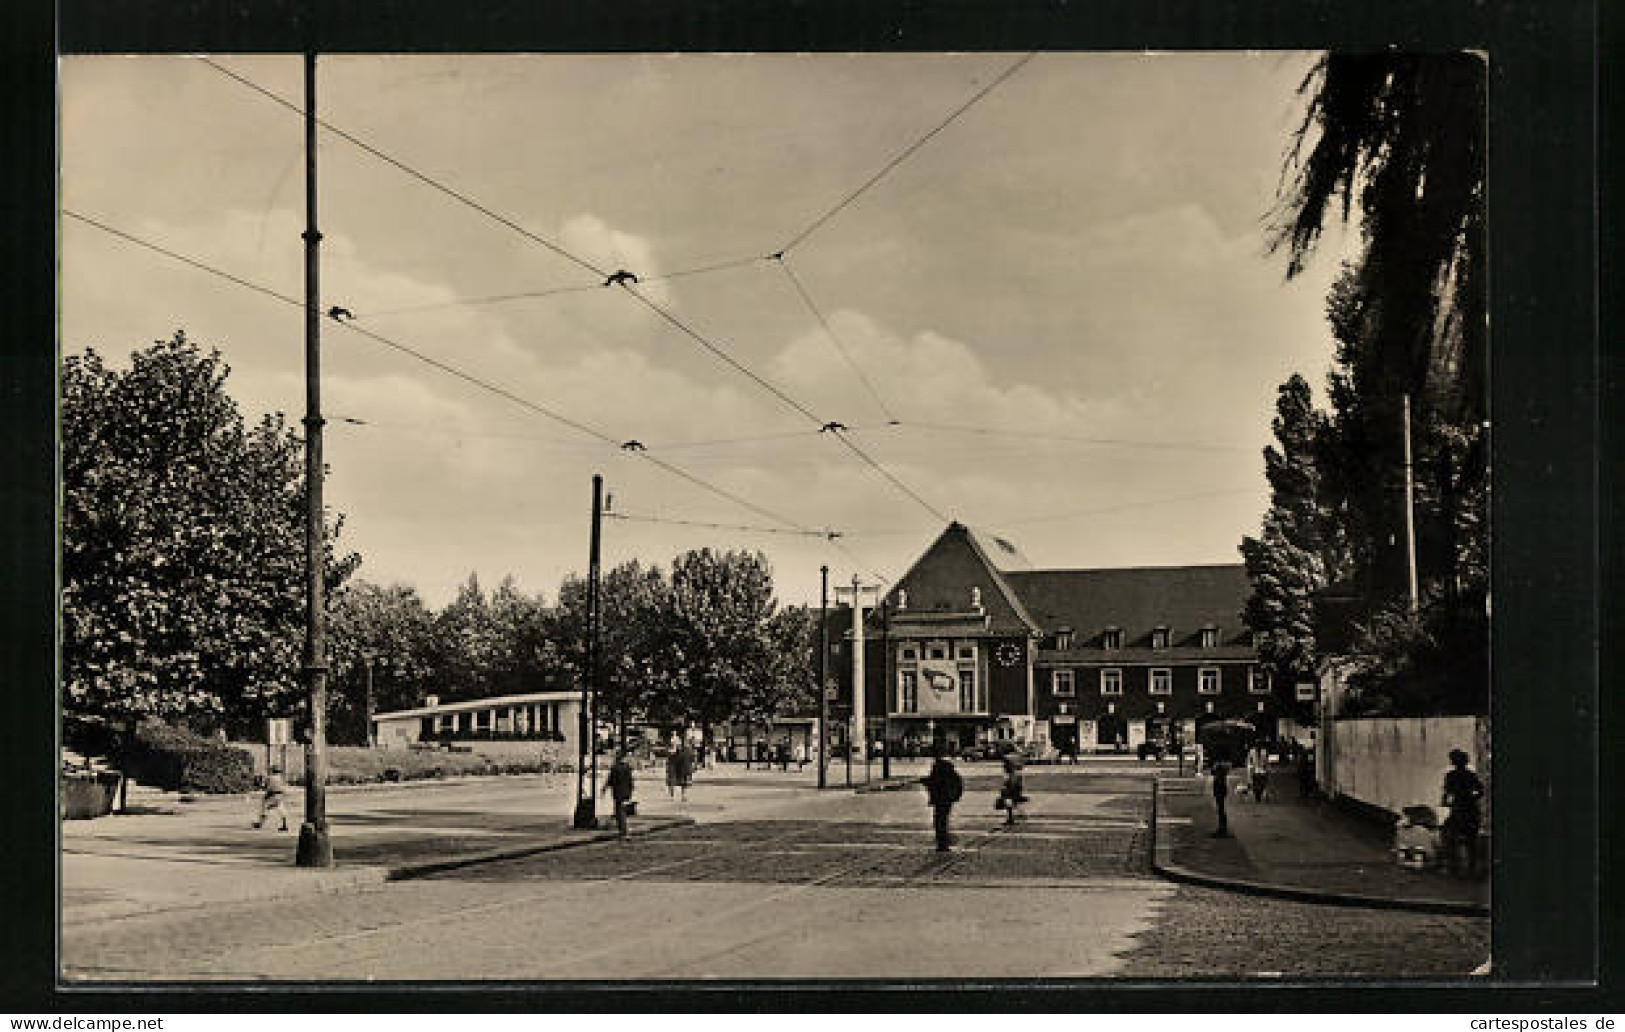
pixel 939 687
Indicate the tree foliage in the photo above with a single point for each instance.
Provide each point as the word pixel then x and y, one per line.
pixel 182 543
pixel 388 629
pixel 1399 139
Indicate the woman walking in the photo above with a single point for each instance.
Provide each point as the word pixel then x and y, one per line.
pixel 1014 792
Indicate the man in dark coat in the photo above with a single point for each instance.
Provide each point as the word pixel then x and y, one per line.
pixel 1221 789
pixel 943 787
pixel 619 786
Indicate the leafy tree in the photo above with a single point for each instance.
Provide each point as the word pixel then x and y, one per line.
pixel 720 605
pixel 1301 549
pixel 182 544
pixel 522 654
pixel 466 645
pixel 1403 137
pixel 636 675
pixel 390 629
pixel 789 683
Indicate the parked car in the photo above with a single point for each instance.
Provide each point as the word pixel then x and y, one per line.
pixel 992 751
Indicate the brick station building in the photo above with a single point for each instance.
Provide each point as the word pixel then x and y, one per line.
pixel 970 648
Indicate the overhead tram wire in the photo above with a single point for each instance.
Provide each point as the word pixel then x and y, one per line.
pixel 883 471
pixel 830 535
pixel 581 288
pixel 657 309
pixel 486 385
pixel 904 156
pixel 427 180
pixel 983 431
pixel 829 331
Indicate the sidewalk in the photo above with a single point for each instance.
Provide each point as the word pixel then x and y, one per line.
pixel 168 854
pixel 1297 849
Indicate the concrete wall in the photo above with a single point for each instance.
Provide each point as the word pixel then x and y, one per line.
pixel 1397 762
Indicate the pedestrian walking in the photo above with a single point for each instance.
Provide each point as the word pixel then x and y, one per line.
pixel 1014 792
pixel 1221 789
pixel 679 770
pixel 943 787
pixel 276 791
pixel 801 756
pixel 1306 773
pixel 1258 771
pixel 783 750
pixel 1463 789
pixel 619 785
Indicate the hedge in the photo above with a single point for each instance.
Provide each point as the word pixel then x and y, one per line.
pixel 177 760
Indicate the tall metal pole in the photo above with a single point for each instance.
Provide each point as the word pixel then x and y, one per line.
pixel 885 671
pixel 860 716
pixel 315 845
pixel 823 692
pixel 586 815
pixel 1410 509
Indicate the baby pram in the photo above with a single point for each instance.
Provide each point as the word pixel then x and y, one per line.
pixel 1417 838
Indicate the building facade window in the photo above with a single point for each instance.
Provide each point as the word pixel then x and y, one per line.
pixel 936 650
pixel 1111 682
pixel 1207 680
pixel 1064 683
pixel 967 652
pixel 911 692
pixel 1210 637
pixel 444 723
pixel 1258 681
pixel 910 653
pixel 1159 638
pixel 1162 681
pixel 967 690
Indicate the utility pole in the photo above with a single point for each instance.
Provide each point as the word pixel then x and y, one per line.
pixel 1410 509
pixel 586 815
pixel 859 736
pixel 823 688
pixel 369 702
pixel 886 678
pixel 315 846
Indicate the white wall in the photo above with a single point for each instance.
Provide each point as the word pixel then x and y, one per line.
pixel 1398 762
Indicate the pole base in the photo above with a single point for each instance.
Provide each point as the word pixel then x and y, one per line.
pixel 315 847
pixel 586 817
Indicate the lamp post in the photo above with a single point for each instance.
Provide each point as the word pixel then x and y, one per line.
pixel 823 688
pixel 586 815
pixel 886 676
pixel 315 847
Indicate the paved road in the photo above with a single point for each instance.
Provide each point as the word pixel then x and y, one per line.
pixel 777 882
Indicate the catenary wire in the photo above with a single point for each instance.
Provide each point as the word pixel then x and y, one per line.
pixel 657 309
pixel 669 521
pixel 528 295
pixel 829 331
pixel 984 431
pixel 883 471
pixel 904 156
pixel 452 371
pixel 409 170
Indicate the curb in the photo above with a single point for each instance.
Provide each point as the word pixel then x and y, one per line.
pixel 1163 866
pixel 422 869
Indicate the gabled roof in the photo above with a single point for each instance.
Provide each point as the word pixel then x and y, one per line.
pixel 1137 600
pixel 942 579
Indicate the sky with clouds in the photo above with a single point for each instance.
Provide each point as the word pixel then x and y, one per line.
pixel 1063 297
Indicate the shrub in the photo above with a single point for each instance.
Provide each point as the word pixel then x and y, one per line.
pixel 177 760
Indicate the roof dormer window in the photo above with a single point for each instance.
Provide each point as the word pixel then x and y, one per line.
pixel 1063 639
pixel 1112 638
pixel 1210 637
pixel 1159 638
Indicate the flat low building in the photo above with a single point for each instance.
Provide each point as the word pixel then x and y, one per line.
pixel 531 718
pixel 973 648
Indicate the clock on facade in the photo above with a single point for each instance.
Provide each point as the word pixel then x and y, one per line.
pixel 1009 654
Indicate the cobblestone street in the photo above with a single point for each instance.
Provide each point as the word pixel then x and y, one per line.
pixel 821 886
